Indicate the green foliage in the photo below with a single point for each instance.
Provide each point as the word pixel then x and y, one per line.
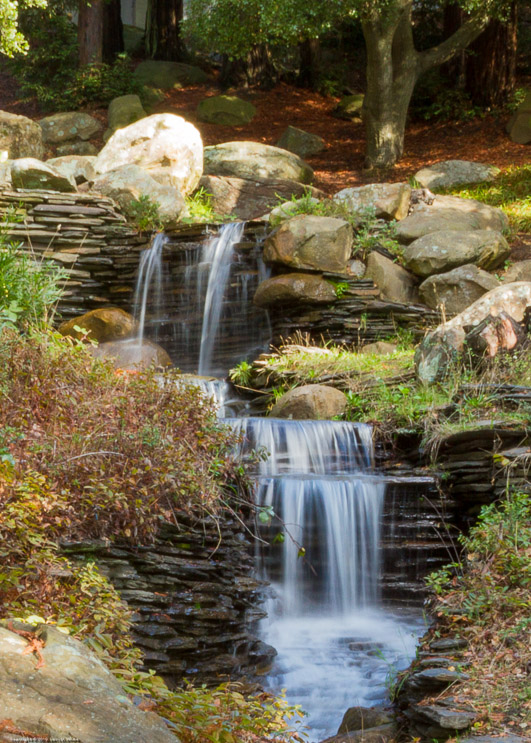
pixel 199 209
pixel 12 40
pixel 144 214
pixel 28 289
pixel 511 191
pixel 48 69
pixel 241 374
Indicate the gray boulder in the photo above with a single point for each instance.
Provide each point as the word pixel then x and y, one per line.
pixel 303 144
pixel 254 160
pixel 132 354
pixel 455 172
pixel 361 718
pixel 310 402
pixel 80 168
pixel 350 107
pixel 166 146
pixel 128 183
pixel 450 213
pixel 519 125
pixel 310 242
pixel 250 199
pixel 440 347
pixel 386 200
pixel 20 137
pixel 168 75
pixel 519 271
pixel 34 174
pixel 72 696
pixel 294 288
pixel 228 110
pixel 70 125
pixel 457 289
pixel 124 110
pixel 394 282
pixel 441 251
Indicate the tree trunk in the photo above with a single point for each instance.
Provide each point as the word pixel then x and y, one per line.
pixel 256 69
pixel 393 68
pixel 163 30
pixel 391 76
pixel 310 63
pixel 90 32
pixel 490 68
pixel 113 30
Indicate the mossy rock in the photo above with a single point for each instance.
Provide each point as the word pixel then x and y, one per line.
pixel 350 107
pixel 169 75
pixel 228 110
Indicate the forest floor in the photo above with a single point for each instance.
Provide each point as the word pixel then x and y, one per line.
pixel 340 165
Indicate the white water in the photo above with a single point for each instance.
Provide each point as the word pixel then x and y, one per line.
pixel 149 284
pixel 217 254
pixel 336 647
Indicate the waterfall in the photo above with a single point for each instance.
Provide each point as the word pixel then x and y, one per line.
pixel 149 290
pixel 218 254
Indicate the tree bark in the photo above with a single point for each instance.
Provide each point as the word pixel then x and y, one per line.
pixel 163 30
pixel 310 63
pixel 393 68
pixel 90 32
pixel 256 69
pixel 113 30
pixel 490 66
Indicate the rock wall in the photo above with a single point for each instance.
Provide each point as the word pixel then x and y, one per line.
pixel 193 596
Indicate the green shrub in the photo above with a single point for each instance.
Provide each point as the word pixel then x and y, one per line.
pixel 29 289
pixel 144 214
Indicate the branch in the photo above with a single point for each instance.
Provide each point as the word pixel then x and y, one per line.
pixel 458 41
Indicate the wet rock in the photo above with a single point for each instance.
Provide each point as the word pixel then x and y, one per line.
pixel 435 721
pixel 310 242
pixel 450 213
pixel 33 174
pixel 380 734
pixel 131 354
pixel 105 324
pixel 312 401
pixel 292 288
pixel 433 679
pixel 453 173
pixel 69 126
pixel 255 160
pixel 303 144
pixel 361 718
pixel 52 701
pixel 20 136
pixel 457 289
pixel 394 282
pixel 250 198
pixel 386 200
pixel 439 252
pixel 166 146
pixel 448 643
pixel 228 110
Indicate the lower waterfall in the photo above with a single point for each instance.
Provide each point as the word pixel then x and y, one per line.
pixel 323 504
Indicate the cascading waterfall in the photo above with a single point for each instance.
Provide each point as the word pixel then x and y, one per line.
pixel 335 645
pixel 316 490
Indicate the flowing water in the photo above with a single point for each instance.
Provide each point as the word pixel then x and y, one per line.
pixel 321 504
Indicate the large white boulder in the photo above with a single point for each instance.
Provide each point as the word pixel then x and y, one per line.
pixel 166 146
